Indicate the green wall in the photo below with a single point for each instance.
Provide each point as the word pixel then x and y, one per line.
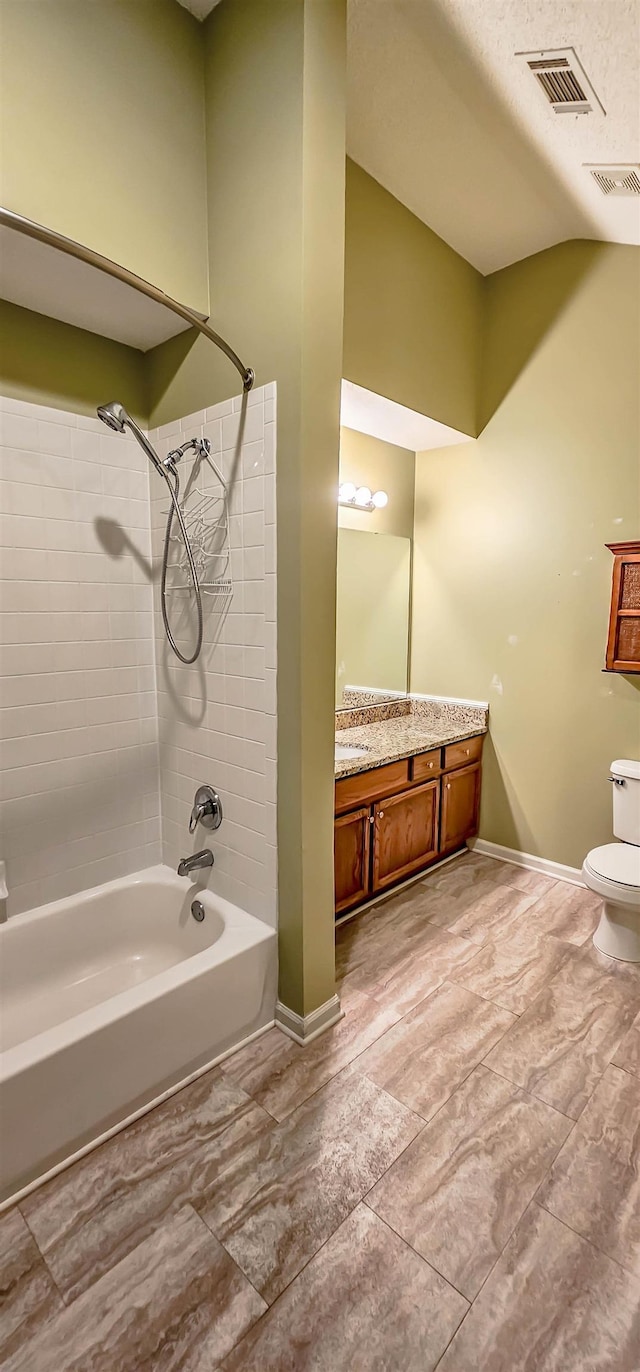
pixel 275 80
pixel 50 363
pixel 511 576
pixel 412 309
pixel 102 131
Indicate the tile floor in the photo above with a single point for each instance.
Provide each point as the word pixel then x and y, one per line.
pixel 449 1178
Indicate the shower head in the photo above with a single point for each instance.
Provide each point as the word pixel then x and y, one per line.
pixel 113 415
pixel 117 418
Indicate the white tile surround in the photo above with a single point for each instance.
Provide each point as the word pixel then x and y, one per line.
pixel 217 719
pixel 100 733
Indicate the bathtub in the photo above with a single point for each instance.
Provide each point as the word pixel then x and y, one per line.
pixel 111 999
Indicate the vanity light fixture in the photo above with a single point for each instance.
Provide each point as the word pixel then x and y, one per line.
pixel 361 498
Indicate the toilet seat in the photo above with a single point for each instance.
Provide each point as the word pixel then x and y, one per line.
pixel 613 871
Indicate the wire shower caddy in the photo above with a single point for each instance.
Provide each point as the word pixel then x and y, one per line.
pixel 206 514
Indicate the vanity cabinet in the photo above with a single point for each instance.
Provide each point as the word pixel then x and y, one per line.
pixel 405 834
pixel 460 806
pixel 351 858
pixel 395 820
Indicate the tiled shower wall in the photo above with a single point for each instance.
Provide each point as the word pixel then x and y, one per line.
pixel 84 689
pixel 217 718
pixel 78 722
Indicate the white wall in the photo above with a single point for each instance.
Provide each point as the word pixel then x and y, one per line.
pixel 78 724
pixel 218 718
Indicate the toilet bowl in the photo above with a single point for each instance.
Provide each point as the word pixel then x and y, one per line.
pixel 613 870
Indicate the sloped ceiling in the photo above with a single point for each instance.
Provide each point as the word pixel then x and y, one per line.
pixel 201 8
pixel 444 116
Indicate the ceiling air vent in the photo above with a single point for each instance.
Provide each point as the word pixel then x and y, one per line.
pixel 563 81
pixel 620 180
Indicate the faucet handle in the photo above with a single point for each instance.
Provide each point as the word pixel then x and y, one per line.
pixel 207 809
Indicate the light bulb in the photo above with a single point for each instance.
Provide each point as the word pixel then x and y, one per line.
pixel 380 499
pixel 347 491
pixel 363 496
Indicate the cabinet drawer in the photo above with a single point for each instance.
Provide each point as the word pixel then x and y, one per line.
pixel 364 787
pixel 426 766
pixel 461 754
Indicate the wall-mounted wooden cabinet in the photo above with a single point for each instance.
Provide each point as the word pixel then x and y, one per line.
pixel 623 644
pixel 395 820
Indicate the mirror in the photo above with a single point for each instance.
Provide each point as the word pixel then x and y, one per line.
pixel 372 624
pixel 374 566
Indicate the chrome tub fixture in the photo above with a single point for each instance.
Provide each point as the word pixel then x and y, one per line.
pixel 207 809
pixel 195 863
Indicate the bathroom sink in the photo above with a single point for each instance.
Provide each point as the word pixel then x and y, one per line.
pixel 343 752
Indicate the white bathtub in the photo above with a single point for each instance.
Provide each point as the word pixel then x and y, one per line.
pixel 110 999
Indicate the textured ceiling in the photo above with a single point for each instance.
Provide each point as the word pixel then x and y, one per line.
pixel 444 116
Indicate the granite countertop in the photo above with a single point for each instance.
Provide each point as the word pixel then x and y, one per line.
pixel 390 739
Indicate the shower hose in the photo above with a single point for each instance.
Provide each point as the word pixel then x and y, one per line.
pixel 174 492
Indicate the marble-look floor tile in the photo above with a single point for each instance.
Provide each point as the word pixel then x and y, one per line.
pixel 570 913
pixel 29 1300
pixel 627 1055
pixel 462 872
pixel 385 937
pixel 87 1218
pixel 424 1058
pixel 288 1192
pixel 512 971
pixel 524 879
pixel 562 1043
pixel 553 1303
pixel 594 1184
pixel 409 981
pixel 458 1191
pixel 176 1302
pixel 280 1074
pixel 493 914
pixel 365 1302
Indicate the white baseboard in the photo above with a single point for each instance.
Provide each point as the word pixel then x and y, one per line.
pixel 304 1028
pixel 557 870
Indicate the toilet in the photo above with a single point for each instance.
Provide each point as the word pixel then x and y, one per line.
pixel 613 871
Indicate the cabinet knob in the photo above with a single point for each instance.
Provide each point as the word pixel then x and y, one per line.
pixel 380 814
pixel 467 751
pixel 448 785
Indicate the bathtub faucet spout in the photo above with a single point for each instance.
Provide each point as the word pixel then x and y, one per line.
pixel 194 863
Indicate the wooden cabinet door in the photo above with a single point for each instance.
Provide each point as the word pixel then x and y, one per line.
pixel 623 645
pixel 460 806
pixel 352 846
pixel 405 834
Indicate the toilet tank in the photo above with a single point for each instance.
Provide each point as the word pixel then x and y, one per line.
pixel 626 800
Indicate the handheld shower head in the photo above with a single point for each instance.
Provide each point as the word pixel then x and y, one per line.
pixel 114 416
pixel 117 418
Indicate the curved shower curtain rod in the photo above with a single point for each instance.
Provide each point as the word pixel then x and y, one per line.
pixel 30 229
